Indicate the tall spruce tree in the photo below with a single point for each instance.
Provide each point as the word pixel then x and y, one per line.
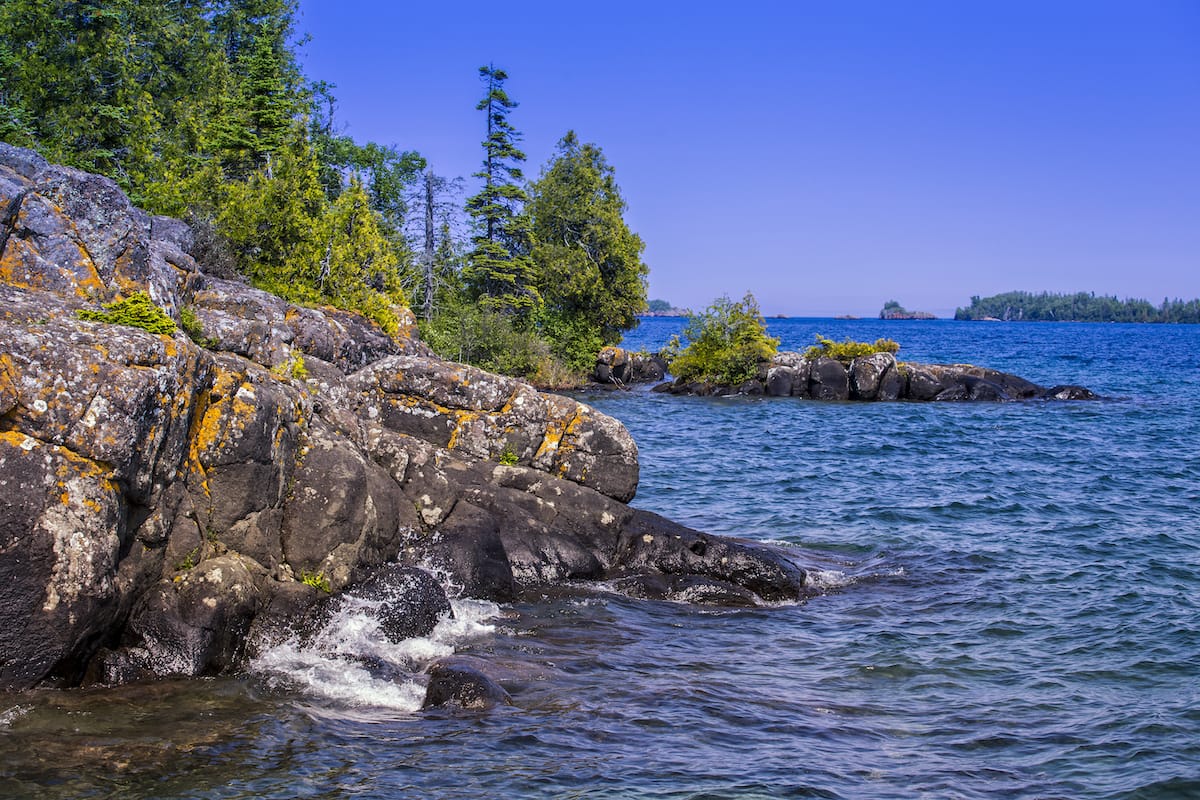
pixel 589 265
pixel 499 271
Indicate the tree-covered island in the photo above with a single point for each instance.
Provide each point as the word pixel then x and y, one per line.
pixel 1078 307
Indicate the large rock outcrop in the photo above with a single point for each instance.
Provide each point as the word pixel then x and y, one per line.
pixel 160 502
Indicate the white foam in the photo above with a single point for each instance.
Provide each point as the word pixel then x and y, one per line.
pixel 11 715
pixel 332 666
pixel 338 679
pixel 827 579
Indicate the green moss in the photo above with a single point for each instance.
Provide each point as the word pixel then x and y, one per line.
pixel 848 350
pixel 508 456
pixel 136 311
pixel 317 580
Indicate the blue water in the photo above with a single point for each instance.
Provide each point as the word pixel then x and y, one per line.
pixel 1010 612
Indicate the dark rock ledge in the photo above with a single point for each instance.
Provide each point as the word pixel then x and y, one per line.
pixel 867 378
pixel 165 506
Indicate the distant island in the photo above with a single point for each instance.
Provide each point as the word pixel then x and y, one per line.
pixel 1079 307
pixel 893 310
pixel 663 308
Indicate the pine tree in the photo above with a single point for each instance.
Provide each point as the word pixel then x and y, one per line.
pixel 499 270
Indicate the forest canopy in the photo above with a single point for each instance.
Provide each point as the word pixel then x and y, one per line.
pixel 199 109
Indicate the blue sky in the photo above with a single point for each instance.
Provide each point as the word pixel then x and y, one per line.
pixel 827 156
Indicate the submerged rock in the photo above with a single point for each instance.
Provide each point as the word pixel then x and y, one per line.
pixel 460 683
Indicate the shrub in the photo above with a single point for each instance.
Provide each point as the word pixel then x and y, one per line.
pixel 317 580
pixel 726 343
pixel 848 350
pixel 489 340
pixel 136 311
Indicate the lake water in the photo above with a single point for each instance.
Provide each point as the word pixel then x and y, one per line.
pixel 1009 611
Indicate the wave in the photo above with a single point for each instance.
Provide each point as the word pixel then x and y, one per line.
pixel 350 662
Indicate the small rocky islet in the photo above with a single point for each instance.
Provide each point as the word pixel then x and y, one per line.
pixel 171 503
pixel 874 377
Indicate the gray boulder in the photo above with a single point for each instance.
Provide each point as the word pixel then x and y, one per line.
pixel 867 374
pixel 828 380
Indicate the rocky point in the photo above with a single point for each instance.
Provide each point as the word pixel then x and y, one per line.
pixel 164 506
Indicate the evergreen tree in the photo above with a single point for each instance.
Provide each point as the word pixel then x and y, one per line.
pixel 589 267
pixel 499 271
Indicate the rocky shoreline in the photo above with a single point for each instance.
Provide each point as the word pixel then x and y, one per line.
pixel 167 507
pixel 876 377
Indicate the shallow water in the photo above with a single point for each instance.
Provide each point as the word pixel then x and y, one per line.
pixel 1009 612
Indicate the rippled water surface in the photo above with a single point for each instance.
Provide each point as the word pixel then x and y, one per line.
pixel 1010 612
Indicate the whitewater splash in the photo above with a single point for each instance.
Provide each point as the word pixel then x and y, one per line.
pixel 350 662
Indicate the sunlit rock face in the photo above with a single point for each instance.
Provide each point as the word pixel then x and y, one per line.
pixel 160 501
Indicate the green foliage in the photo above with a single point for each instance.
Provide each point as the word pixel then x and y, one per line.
pixel 848 350
pixel 573 339
pixel 193 328
pixel 317 580
pixel 471 334
pixel 499 271
pixel 189 561
pixel 508 456
pixel 136 311
pixel 726 343
pixel 1079 307
pixel 292 368
pixel 589 268
pixel 659 306
pixel 199 110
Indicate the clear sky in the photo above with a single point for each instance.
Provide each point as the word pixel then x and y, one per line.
pixel 827 156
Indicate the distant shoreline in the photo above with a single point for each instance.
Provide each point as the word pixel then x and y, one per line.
pixel 852 318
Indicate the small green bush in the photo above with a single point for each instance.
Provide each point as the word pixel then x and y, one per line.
pixel 848 350
pixel 317 580
pixel 136 311
pixel 189 561
pixel 490 340
pixel 194 329
pixel 726 343
pixel 508 456
pixel 293 367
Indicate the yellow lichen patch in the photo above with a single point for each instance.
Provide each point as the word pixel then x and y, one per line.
pixel 508 404
pixel 462 418
pixel 556 432
pixel 89 282
pixel 12 264
pixel 8 377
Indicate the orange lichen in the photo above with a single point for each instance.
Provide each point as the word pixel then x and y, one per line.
pixel 461 419
pixel 556 431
